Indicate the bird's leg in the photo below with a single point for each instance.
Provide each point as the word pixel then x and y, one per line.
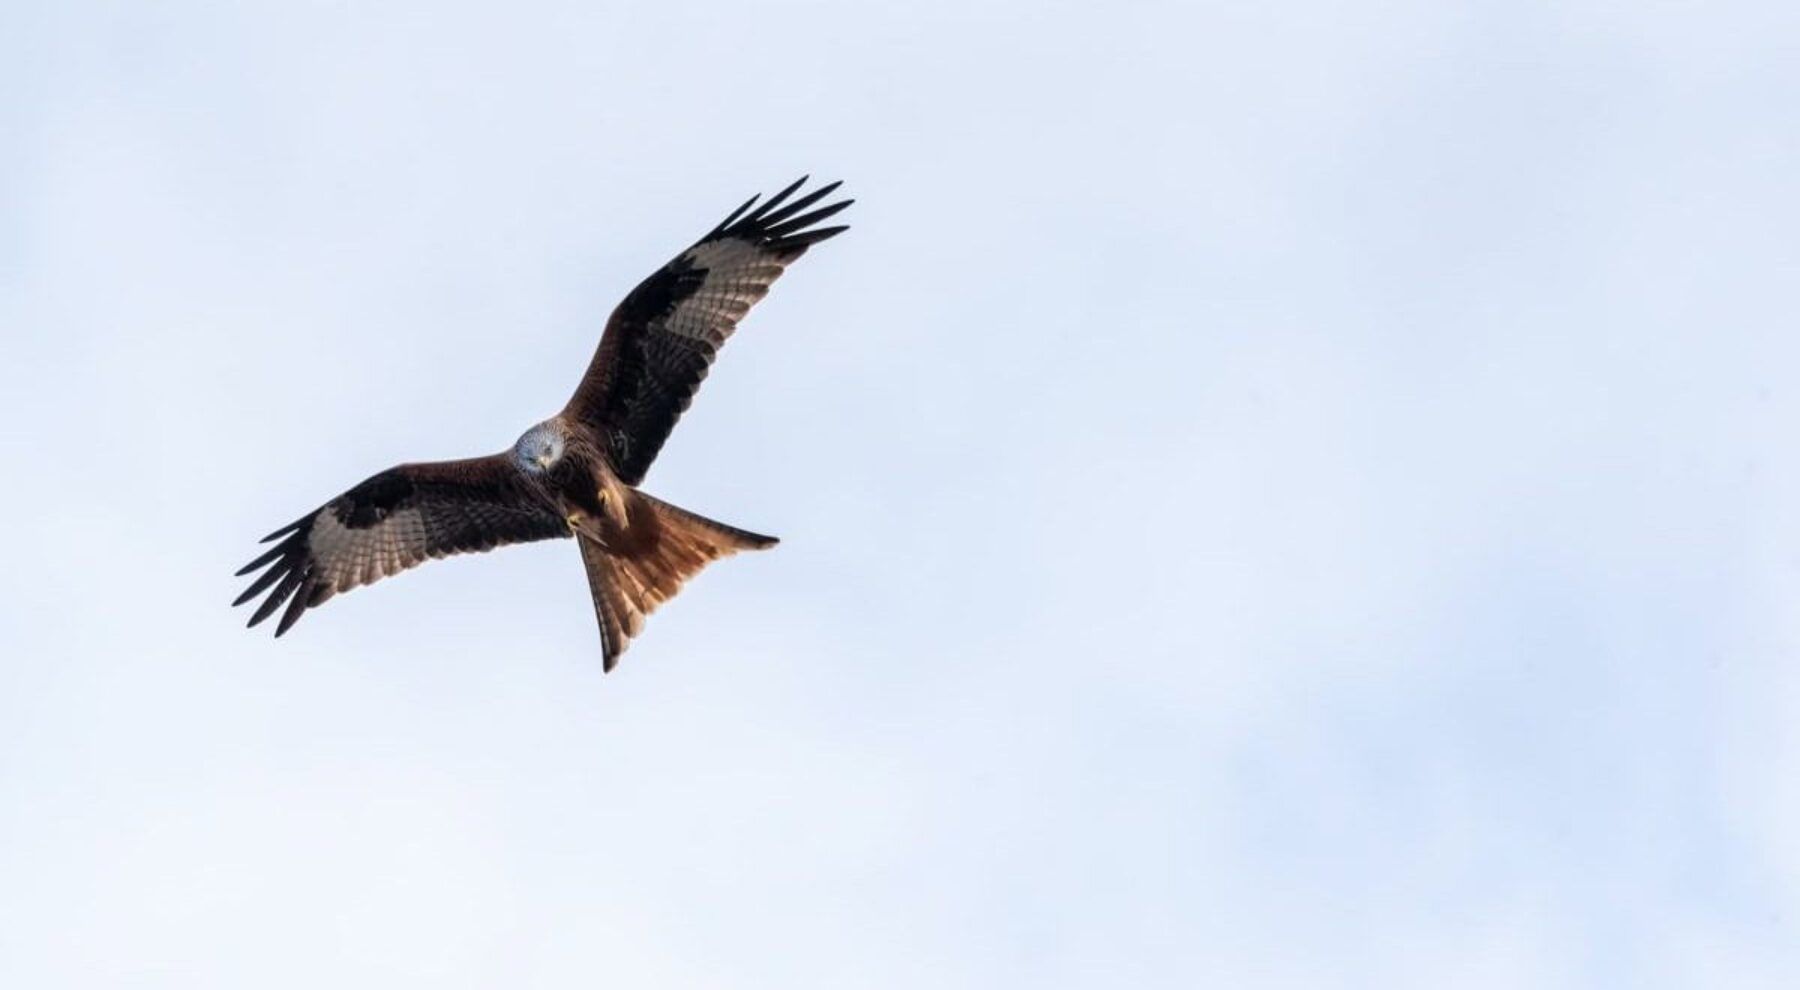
pixel 613 497
pixel 585 527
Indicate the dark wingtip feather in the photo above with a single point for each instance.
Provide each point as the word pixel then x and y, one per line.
pixel 289 565
pixel 776 200
pixel 782 225
pixel 780 230
pixel 771 219
pixel 276 597
pixel 268 577
pixel 296 608
pixel 795 243
pixel 732 218
pixel 289 528
pixel 278 551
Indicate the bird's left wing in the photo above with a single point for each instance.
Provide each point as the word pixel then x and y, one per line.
pixel 397 519
pixel 661 340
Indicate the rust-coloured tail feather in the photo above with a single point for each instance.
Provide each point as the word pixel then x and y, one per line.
pixel 633 570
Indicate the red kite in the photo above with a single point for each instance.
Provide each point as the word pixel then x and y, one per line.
pixel 576 473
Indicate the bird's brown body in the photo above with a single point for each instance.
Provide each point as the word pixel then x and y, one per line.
pixel 577 473
pixel 584 487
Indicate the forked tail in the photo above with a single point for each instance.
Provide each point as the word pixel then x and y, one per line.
pixel 632 570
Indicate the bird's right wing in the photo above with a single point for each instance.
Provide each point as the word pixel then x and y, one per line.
pixel 661 340
pixel 397 519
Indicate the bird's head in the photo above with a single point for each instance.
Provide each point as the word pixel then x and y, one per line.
pixel 541 447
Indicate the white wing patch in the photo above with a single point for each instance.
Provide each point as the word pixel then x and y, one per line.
pixel 349 558
pixel 738 275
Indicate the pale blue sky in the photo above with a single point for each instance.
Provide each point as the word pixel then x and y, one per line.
pixel 1272 496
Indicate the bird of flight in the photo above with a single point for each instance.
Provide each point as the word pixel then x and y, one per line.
pixel 576 473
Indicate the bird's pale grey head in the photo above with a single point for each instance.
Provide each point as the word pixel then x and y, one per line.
pixel 541 447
